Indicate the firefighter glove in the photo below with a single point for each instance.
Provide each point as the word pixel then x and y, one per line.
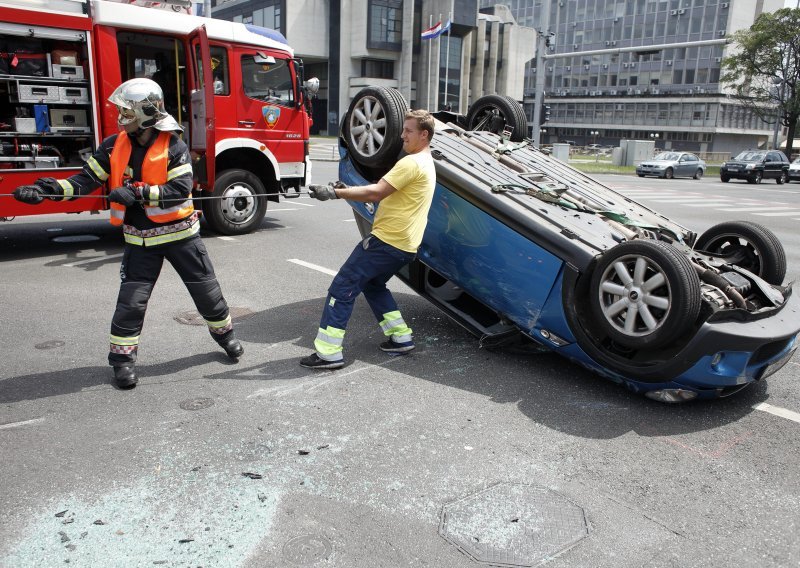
pixel 32 194
pixel 139 187
pixel 126 196
pixel 322 192
pixel 50 186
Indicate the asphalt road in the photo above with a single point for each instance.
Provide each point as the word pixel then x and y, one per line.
pixel 365 466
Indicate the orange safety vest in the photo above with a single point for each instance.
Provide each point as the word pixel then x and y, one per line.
pixel 154 172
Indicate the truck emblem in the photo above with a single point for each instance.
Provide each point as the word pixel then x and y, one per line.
pixel 271 115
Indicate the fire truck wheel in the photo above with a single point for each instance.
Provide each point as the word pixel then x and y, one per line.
pixel 373 126
pixel 238 211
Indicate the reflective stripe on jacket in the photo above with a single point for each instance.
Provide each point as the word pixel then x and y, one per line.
pixel 154 173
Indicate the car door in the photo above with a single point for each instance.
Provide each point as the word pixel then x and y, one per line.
pixel 772 165
pixel 203 134
pixel 690 163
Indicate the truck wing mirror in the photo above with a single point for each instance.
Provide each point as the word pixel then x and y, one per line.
pixel 262 59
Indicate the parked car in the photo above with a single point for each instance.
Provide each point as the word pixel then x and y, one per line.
pixel 794 170
pixel 521 248
pixel 756 165
pixel 672 164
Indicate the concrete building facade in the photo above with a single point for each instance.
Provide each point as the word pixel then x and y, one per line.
pixel 352 44
pixel 672 95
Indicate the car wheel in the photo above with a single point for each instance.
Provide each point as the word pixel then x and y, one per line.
pixel 240 205
pixel 747 245
pixel 640 175
pixel 781 179
pixel 724 178
pixel 497 112
pixel 698 174
pixel 755 178
pixel 668 173
pixel 373 126
pixel 644 293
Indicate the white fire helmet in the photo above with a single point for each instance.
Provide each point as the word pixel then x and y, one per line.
pixel 141 101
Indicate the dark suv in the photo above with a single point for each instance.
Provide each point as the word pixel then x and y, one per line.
pixel 755 165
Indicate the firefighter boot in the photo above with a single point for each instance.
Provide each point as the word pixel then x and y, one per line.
pixel 125 377
pixel 233 348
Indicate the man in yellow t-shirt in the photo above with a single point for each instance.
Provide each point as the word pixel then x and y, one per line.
pixel 405 195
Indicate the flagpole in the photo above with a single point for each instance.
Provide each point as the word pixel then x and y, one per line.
pixel 439 51
pixel 430 47
pixel 447 54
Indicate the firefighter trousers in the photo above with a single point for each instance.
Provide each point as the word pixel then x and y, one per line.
pixel 139 271
pixel 371 264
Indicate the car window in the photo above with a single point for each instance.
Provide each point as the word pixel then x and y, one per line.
pixel 796 161
pixel 671 156
pixel 690 157
pixel 267 82
pixel 750 156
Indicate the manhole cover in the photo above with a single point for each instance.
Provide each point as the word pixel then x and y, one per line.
pixel 53 343
pixel 192 317
pixel 75 238
pixel 513 525
pixel 307 549
pixel 197 403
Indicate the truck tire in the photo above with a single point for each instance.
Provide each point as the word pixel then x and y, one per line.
pixel 748 245
pixel 644 294
pixel 240 209
pixel 373 126
pixel 494 113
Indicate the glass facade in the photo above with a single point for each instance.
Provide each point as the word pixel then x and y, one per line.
pixel 385 29
pixel 449 69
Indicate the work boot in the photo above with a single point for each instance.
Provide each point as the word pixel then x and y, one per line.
pixel 314 361
pixel 125 377
pixel 396 347
pixel 233 348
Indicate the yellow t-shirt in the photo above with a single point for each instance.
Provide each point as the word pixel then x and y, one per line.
pixel 403 215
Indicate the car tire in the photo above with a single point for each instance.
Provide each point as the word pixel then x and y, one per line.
pixel 755 178
pixel 724 179
pixel 781 179
pixel 650 282
pixel 373 126
pixel 669 173
pixel 494 113
pixel 751 246
pixel 640 175
pixel 698 174
pixel 240 205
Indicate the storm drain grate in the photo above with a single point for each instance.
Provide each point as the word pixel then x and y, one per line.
pixel 192 317
pixel 511 524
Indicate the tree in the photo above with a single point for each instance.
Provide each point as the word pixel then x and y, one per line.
pixel 764 68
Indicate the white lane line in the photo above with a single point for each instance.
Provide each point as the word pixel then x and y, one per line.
pixel 712 204
pixel 781 214
pixel 285 209
pixel 778 411
pixel 348 220
pixel 751 209
pixel 678 198
pixel 303 204
pixel 227 239
pixel 322 269
pixel 23 423
pixel 94 259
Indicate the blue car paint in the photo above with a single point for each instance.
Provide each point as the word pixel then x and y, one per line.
pixel 524 282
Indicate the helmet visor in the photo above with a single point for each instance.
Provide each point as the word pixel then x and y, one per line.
pixel 126 116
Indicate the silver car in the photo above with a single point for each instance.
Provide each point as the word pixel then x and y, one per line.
pixel 794 170
pixel 672 164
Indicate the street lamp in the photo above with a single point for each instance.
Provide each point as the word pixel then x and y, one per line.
pixel 654 137
pixel 594 134
pixel 542 133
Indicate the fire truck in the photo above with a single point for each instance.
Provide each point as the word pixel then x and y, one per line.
pixel 237 90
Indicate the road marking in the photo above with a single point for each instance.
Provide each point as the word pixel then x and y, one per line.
pixel 750 209
pixel 93 260
pixel 303 204
pixel 679 198
pixel 22 423
pixel 286 209
pixel 227 239
pixel 778 411
pixel 781 214
pixel 312 266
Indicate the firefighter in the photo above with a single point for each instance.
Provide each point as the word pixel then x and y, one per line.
pixel 149 173
pixel 405 195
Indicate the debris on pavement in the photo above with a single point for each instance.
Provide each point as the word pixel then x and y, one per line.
pixel 252 475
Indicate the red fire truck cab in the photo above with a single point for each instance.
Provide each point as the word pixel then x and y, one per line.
pixel 236 89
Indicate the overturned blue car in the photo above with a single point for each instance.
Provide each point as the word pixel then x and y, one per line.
pixel 520 247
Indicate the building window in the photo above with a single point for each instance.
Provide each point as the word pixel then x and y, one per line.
pixel 377 68
pixel 385 24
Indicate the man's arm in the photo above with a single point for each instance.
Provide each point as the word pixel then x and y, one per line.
pixel 367 193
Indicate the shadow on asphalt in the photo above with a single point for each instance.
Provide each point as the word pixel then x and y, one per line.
pixel 546 388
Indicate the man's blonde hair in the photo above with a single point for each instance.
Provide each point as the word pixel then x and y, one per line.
pixel 424 120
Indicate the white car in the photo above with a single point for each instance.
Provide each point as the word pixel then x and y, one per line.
pixel 794 170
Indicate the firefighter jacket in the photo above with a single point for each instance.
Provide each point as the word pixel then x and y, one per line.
pixel 166 214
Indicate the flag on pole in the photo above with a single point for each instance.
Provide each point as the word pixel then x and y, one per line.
pixel 432 32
